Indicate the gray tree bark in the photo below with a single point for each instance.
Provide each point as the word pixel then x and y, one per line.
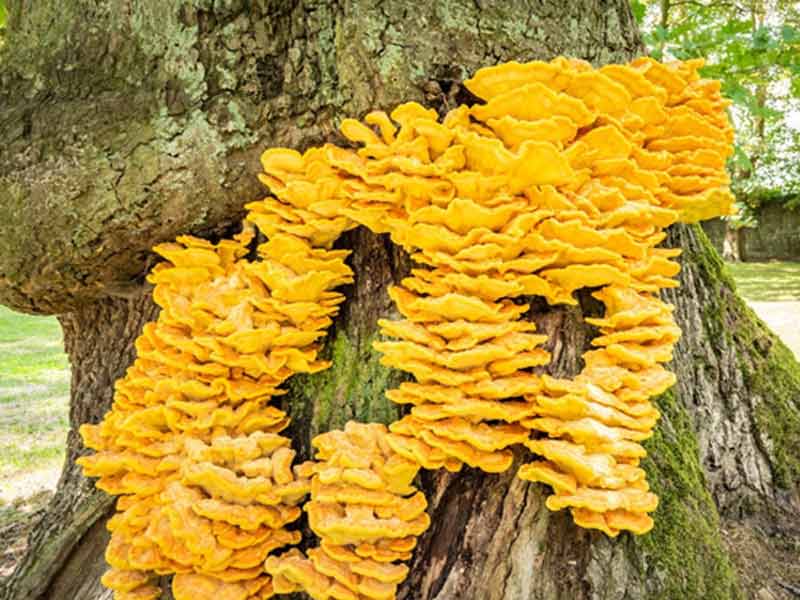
pixel 125 123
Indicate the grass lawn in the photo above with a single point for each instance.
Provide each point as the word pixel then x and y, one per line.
pixel 773 291
pixel 34 404
pixel 767 282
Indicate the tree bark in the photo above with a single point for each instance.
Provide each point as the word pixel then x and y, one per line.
pixel 162 110
pixel 732 243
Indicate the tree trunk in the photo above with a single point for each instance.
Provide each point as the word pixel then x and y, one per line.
pixel 161 113
pixel 732 243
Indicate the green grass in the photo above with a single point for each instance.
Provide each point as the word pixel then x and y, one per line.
pixel 773 291
pixel 767 282
pixel 34 401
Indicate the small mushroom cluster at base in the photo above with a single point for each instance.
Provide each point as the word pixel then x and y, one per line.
pixel 564 177
pixel 366 513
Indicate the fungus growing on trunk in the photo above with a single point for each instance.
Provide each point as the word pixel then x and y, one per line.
pixel 564 178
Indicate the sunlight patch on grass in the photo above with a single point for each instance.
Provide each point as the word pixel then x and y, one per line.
pixel 20 488
pixel 14 391
pixel 784 319
pixel 40 449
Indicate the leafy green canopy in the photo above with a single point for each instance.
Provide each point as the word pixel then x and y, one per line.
pixel 3 16
pixel 753 47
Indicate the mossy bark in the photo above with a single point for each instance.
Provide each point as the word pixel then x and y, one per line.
pixel 122 126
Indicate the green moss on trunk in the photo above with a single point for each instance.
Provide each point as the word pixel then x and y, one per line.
pixel 775 381
pixel 351 389
pixel 684 550
pixel 771 372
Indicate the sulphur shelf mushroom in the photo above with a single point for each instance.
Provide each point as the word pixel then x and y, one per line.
pixel 564 177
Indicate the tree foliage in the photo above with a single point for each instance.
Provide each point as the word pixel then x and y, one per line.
pixel 3 17
pixel 753 47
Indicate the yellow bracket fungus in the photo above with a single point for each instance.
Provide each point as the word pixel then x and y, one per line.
pixel 563 178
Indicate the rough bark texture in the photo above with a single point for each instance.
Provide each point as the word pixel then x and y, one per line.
pixel 124 123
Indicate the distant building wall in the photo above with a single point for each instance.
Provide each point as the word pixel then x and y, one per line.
pixel 777 236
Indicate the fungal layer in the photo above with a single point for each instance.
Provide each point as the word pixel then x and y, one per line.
pixel 366 514
pixel 563 178
pixel 192 445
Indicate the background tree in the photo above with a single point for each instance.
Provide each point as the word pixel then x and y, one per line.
pixel 2 21
pixel 123 124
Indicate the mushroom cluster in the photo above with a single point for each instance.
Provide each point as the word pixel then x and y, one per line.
pixel 594 424
pixel 654 152
pixel 366 513
pixel 191 445
pixel 563 177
